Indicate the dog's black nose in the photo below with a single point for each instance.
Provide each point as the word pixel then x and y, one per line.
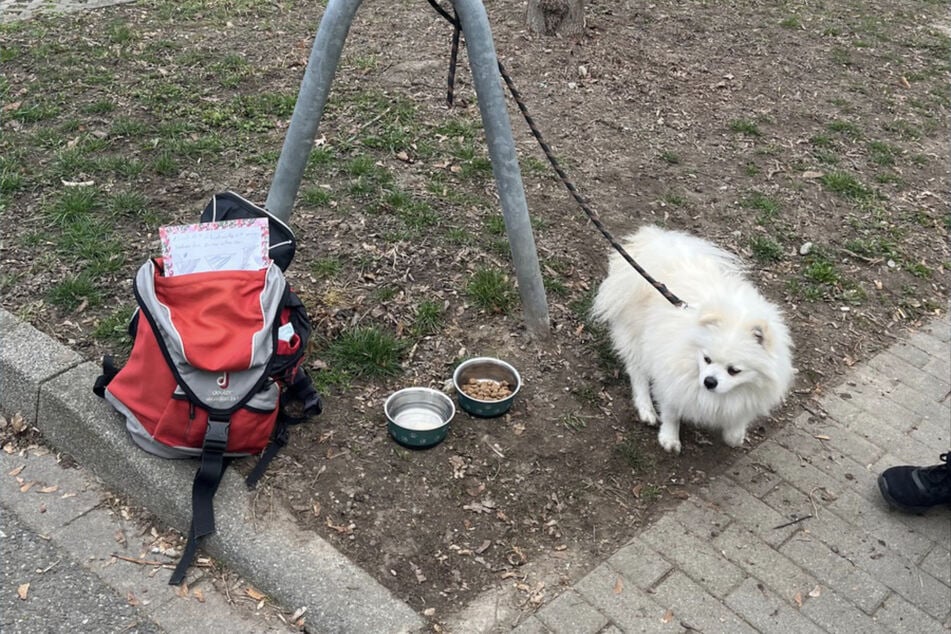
pixel 710 383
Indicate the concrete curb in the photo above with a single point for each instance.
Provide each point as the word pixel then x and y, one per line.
pixel 52 388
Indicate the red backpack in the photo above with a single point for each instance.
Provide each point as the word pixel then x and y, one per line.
pixel 215 358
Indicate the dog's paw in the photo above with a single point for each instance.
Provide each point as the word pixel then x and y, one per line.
pixel 646 413
pixel 670 443
pixel 734 436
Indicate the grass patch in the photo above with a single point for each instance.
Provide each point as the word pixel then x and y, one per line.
pixel 845 185
pixel 326 268
pixel 637 456
pixel 821 270
pixel 114 328
pixel 745 126
pixel 72 292
pixel 845 128
pixel 766 207
pixel 428 319
pixel 765 249
pixel 490 290
pixel 75 204
pixel 366 352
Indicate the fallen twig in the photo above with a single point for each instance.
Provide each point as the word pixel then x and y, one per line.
pixel 795 521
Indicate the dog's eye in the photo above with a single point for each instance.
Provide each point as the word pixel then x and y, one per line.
pixel 732 371
pixel 706 360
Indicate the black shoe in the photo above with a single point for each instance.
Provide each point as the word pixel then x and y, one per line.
pixel 916 489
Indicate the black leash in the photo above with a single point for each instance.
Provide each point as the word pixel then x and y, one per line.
pixel 569 185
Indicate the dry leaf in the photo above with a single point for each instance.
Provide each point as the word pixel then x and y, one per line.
pixel 668 616
pixel 199 595
pixel 131 599
pixel 821 437
pixel 26 487
pixel 18 423
pixel 182 590
pixel 17 471
pixel 120 537
pixel 22 590
pixel 815 592
pixel 619 586
pixel 255 594
pixel 49 489
pixel 798 599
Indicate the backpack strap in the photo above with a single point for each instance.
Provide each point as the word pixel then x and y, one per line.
pixel 207 479
pixel 302 390
pixel 109 372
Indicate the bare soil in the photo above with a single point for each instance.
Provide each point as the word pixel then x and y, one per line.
pixel 722 118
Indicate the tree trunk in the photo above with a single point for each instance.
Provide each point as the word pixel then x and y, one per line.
pixel 556 17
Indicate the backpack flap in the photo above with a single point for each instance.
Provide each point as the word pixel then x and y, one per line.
pixel 217 330
pixel 231 206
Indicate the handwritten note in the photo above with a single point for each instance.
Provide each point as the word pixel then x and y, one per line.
pixel 233 245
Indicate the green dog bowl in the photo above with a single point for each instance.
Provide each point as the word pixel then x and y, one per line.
pixel 418 417
pixel 485 370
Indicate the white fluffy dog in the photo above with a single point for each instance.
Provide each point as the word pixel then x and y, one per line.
pixel 719 363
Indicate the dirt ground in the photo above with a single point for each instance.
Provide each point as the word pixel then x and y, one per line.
pixel 811 138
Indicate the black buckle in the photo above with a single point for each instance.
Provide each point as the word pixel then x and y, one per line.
pixel 216 436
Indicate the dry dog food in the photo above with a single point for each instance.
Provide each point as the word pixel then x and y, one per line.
pixel 487 389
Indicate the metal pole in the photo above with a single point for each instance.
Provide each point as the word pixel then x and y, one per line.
pixel 508 177
pixel 314 90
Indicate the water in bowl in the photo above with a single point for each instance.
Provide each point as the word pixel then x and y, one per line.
pixel 419 417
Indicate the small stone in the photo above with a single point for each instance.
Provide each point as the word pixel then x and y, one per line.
pixel 805 249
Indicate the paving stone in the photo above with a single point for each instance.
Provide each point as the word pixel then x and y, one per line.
pixel 899 615
pixel 881 431
pixel 911 354
pixel 839 408
pixel 938 367
pixel 701 517
pixel 766 612
pixel 834 436
pixel 639 564
pixel 764 563
pixel 624 604
pixel 53 496
pixel 915 390
pixel 877 520
pixel 794 469
pixel 694 556
pixel 881 563
pixel 873 566
pixel 937 329
pixel 938 563
pixel 692 605
pixel 847 473
pixel 755 476
pixel 748 510
pixel 569 613
pixel 933 431
pixel 833 571
pixel 531 625
pixel 834 613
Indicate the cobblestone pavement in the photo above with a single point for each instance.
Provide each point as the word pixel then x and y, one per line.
pixel 795 536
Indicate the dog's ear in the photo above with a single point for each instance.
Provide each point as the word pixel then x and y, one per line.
pixel 761 334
